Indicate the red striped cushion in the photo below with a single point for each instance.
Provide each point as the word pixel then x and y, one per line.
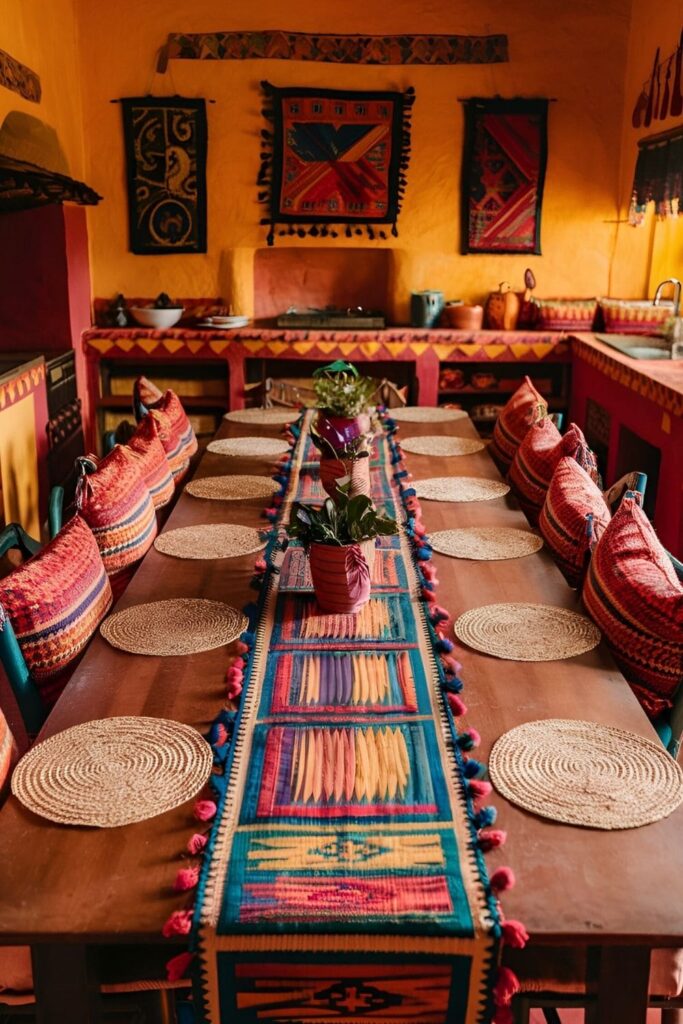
pixel 571 496
pixel 117 506
pixel 152 461
pixel 524 407
pixel 8 753
pixel 147 392
pixel 178 462
pixel 171 405
pixel 536 459
pixel 634 596
pixel 55 602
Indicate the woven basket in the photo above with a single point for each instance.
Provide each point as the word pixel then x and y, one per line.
pixel 633 316
pixel 341 575
pixel 332 470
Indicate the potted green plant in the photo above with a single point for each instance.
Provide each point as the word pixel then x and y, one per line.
pixel 340 540
pixel 342 431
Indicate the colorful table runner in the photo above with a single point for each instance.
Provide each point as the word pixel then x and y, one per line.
pixel 344 878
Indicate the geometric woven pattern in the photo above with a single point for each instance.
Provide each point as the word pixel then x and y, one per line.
pixel 342 880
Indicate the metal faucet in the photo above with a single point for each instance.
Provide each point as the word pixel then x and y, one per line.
pixel 677 294
pixel 674 332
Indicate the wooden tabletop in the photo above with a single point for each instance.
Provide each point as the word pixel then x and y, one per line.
pixel 573 885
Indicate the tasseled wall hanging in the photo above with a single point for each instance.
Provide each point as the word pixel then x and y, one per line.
pixel 334 158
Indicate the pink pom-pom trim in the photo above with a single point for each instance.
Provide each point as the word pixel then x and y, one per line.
pixel 241 647
pixel 196 843
pixel 475 737
pixel 428 570
pixel 428 595
pixel 515 934
pixel 186 879
pixel 234 675
pixel 205 810
pixel 457 706
pixel 478 789
pixel 221 735
pixel 177 966
pixel 233 689
pixel 260 565
pixel 507 985
pixel 491 838
pixel 179 923
pixel 502 879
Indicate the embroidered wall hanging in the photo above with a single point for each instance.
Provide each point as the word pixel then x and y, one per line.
pixel 503 171
pixel 334 49
pixel 334 158
pixel 19 78
pixel 165 142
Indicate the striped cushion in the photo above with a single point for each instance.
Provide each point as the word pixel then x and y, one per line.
pixel 524 407
pixel 55 602
pixel 146 392
pixel 171 405
pixel 178 462
pixel 152 461
pixel 635 597
pixel 536 459
pixel 117 506
pixel 571 496
pixel 8 753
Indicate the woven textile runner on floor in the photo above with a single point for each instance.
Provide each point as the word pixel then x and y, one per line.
pixel 343 879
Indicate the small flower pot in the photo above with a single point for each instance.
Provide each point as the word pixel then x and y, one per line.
pixel 332 470
pixel 341 575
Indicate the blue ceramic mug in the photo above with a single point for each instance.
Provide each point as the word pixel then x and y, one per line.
pixel 425 308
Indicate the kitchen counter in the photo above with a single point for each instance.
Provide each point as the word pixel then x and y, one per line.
pixel 661 379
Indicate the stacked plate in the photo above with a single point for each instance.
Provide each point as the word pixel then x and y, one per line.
pixel 224 323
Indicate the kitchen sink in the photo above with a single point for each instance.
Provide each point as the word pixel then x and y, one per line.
pixel 638 346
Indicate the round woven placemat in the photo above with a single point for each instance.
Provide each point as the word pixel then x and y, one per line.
pixel 113 771
pixel 425 414
pixel 221 540
pixel 265 417
pixel 248 447
pixel 177 626
pixel 527 632
pixel 434 444
pixel 485 543
pixel 586 774
pixel 231 488
pixel 460 488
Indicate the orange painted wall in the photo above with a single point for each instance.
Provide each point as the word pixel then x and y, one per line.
pixel 43 34
pixel 574 52
pixel 653 251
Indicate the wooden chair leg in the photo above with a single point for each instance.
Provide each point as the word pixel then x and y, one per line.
pixel 672 1016
pixel 551 1015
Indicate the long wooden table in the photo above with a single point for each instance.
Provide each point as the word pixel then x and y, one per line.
pixel 616 894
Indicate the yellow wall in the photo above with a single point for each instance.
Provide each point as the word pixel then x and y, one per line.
pixel 653 251
pixel 43 35
pixel 574 53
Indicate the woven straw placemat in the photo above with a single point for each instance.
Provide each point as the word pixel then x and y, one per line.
pixel 425 414
pixel 527 632
pixel 248 447
pixel 113 771
pixel 264 417
pixel 485 543
pixel 460 488
pixel 221 540
pixel 586 774
pixel 177 626
pixel 231 488
pixel 434 444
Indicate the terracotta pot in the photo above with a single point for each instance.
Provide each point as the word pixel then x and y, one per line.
pixel 341 575
pixel 461 317
pixel 332 470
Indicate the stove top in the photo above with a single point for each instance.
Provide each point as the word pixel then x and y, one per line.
pixel 352 318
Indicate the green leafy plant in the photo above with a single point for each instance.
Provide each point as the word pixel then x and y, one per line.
pixel 347 521
pixel 341 391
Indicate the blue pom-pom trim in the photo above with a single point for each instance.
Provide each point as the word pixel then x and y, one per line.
pixel 473 769
pixel 486 816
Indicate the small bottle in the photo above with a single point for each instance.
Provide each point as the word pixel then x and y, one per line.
pixel 119 311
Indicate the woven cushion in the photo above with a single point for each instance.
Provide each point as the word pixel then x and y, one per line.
pixel 152 461
pixel 571 496
pixel 117 506
pixel 171 405
pixel 523 409
pixel 633 594
pixel 55 601
pixel 536 459
pixel 146 392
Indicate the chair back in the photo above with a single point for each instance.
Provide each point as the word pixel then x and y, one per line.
pixel 26 694
pixel 635 482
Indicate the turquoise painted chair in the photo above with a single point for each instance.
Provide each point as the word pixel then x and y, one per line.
pixel 26 694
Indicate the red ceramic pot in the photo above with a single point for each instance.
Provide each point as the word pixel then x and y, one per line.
pixel 341 576
pixel 338 431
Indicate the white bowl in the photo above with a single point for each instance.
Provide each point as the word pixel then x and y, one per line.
pixel 147 316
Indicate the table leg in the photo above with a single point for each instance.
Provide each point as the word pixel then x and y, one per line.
pixel 617 978
pixel 65 983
